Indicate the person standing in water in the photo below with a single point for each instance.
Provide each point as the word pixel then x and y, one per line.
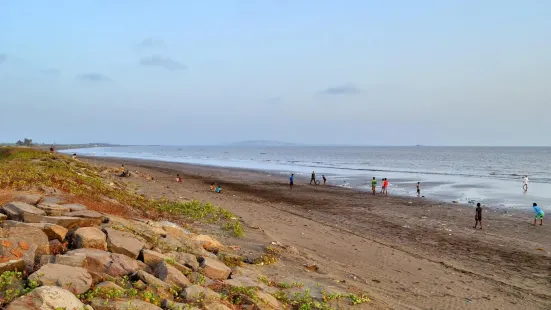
pixel 374 185
pixel 418 189
pixel 313 179
pixel 525 183
pixel 539 214
pixel 324 179
pixel 385 187
pixel 291 179
pixel 478 216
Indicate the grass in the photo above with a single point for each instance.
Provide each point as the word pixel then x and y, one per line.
pixel 13 286
pixel 28 169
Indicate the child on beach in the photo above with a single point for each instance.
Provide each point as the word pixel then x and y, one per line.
pixel 385 187
pixel 418 189
pixel 374 185
pixel 525 183
pixel 212 187
pixel 291 178
pixel 478 216
pixel 219 189
pixel 539 214
pixel 178 179
pixel 324 179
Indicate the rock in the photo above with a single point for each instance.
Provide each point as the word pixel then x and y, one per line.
pixel 122 304
pixel 195 292
pixel 68 222
pixel 75 207
pixel 32 199
pixel 52 231
pixel 171 275
pixel 152 258
pixel 108 285
pixel 186 259
pixel 267 301
pixel 87 214
pixel 174 230
pixel 197 278
pixel 103 262
pixel 90 238
pixel 215 269
pixel 18 210
pixel 52 209
pixel 47 298
pixel 74 279
pixel 216 306
pixel 208 243
pixel 52 199
pixel 76 260
pixel 152 280
pixel 12 265
pixel 123 243
pixel 171 305
pixel 3 217
pixel 149 232
pixel 27 243
pixel 185 245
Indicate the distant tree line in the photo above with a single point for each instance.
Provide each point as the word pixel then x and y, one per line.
pixel 25 142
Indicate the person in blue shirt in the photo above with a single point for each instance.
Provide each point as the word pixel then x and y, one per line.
pixel 219 189
pixel 291 178
pixel 539 214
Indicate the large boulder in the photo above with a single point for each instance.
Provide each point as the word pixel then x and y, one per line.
pixel 75 260
pixel 53 209
pixel 267 301
pixel 102 262
pixel 94 216
pixel 195 293
pixel 186 259
pixel 152 280
pixel 51 230
pixel 123 243
pixel 215 269
pixel 75 207
pixel 68 222
pixel 32 199
pixel 74 279
pixel 47 298
pixel 153 258
pixel 122 304
pixel 27 243
pixel 174 230
pixel 216 306
pixel 185 245
pixel 90 238
pixel 169 274
pixel 17 211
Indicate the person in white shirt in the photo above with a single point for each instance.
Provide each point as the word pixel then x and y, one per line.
pixel 525 186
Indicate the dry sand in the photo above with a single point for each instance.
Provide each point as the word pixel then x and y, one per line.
pixel 406 253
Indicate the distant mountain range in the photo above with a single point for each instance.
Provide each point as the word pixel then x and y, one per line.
pixel 264 143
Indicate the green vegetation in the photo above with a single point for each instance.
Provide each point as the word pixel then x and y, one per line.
pixel 281 285
pixel 13 286
pixel 25 169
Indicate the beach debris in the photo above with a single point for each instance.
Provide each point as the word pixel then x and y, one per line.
pixel 424 217
pixel 376 281
pixel 539 249
pixel 406 226
pixel 311 267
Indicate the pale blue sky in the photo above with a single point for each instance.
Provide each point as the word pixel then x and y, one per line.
pixel 201 72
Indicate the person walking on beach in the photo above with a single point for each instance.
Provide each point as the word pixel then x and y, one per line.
pixel 374 185
pixel 478 216
pixel 418 189
pixel 291 179
pixel 539 214
pixel 324 179
pixel 525 183
pixel 385 187
pixel 313 179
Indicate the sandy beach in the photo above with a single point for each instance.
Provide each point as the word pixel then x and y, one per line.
pixel 406 253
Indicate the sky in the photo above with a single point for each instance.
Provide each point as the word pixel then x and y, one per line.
pixel 365 72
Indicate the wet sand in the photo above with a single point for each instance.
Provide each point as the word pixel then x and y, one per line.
pixel 406 253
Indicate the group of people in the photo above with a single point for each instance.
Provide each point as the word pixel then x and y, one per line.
pixel 384 186
pixel 215 188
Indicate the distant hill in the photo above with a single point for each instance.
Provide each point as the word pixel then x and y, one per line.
pixel 263 143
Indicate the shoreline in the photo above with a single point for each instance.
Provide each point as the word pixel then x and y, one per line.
pixel 399 250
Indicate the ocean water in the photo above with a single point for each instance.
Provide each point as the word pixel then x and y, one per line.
pixel 490 175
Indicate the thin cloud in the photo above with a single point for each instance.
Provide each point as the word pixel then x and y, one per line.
pixel 164 62
pixel 347 89
pixel 151 43
pixel 93 77
pixel 50 71
pixel 274 100
pixel 3 57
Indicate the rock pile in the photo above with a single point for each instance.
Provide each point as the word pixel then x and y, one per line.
pixel 74 258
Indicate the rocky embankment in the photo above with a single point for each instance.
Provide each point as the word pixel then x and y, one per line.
pixel 63 256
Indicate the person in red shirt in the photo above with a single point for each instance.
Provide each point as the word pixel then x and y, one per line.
pixel 385 187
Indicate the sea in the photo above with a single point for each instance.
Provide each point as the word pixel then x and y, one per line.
pixel 467 175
